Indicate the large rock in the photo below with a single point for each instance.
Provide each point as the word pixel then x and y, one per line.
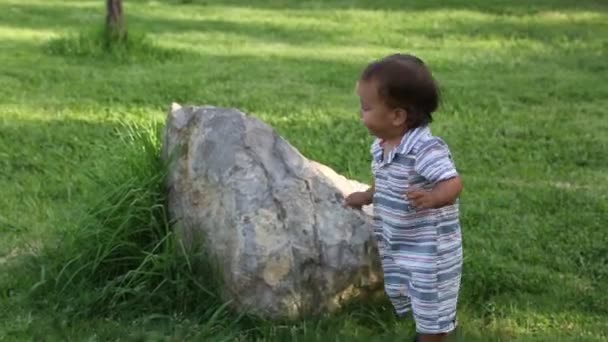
pixel 275 221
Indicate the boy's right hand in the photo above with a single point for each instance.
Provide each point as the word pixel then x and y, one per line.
pixel 357 200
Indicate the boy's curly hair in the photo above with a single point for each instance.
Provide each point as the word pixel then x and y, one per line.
pixel 404 81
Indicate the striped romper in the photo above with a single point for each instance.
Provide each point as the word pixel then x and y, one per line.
pixel 421 250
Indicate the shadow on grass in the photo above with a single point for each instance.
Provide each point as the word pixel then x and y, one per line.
pixel 60 17
pixel 306 98
pixel 255 82
pixel 495 7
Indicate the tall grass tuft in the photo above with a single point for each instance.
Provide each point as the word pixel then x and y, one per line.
pixel 122 261
pixel 123 258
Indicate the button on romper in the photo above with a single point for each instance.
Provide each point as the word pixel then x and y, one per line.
pixel 421 250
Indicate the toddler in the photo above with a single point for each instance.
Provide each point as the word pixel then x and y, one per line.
pixel 415 194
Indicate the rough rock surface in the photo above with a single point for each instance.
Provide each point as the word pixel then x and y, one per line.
pixel 274 219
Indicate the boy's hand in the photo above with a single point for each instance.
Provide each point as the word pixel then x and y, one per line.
pixel 357 200
pixel 422 199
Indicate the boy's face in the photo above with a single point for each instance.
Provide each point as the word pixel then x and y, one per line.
pixel 381 120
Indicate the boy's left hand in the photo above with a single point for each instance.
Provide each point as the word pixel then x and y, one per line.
pixel 421 199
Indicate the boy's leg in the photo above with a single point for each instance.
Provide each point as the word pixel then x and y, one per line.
pixel 401 304
pixel 434 308
pixel 452 336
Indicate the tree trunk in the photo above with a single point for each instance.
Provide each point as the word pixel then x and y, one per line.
pixel 115 24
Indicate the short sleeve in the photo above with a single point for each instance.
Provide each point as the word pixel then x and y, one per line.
pixel 434 161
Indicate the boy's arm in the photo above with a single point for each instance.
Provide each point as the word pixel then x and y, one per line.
pixel 368 195
pixel 446 192
pixel 361 198
pixel 443 193
pixel 434 163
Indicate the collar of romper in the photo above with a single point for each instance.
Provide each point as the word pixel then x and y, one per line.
pixel 407 143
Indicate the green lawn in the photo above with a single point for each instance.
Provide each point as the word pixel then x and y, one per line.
pixel 524 113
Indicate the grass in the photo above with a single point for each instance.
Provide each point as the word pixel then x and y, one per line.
pixel 99 44
pixel 524 113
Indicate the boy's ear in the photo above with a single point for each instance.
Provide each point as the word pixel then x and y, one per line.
pixel 400 116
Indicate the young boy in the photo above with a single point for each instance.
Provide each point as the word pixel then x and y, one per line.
pixel 415 194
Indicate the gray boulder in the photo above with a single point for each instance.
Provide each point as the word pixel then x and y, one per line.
pixel 273 219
